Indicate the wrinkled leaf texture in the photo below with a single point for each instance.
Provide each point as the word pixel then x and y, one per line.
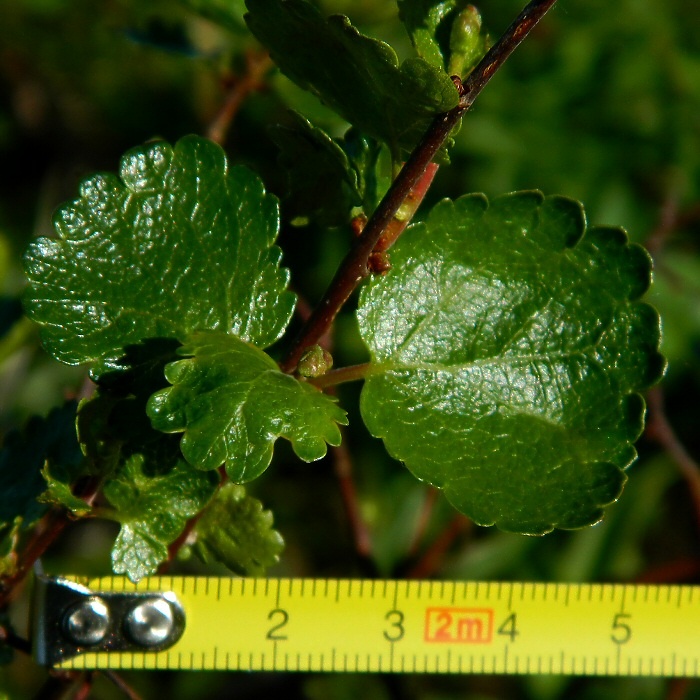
pixel 237 531
pixel 508 345
pixel 180 241
pixel 153 506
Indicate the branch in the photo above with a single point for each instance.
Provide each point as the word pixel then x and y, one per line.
pixel 181 540
pixel 660 430
pixel 120 683
pixel 424 516
pixel 256 66
pixel 361 536
pixel 354 267
pixel 45 534
pixel 434 557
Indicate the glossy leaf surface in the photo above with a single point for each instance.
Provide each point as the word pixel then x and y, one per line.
pixel 236 531
pixel 508 344
pixel 232 403
pixel 358 77
pixel 178 242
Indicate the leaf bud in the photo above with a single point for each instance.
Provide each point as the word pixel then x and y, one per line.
pixel 315 362
pixel 467 45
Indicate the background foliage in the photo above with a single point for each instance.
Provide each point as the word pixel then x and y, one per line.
pixel 601 104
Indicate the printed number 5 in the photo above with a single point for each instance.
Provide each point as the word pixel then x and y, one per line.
pixel 622 632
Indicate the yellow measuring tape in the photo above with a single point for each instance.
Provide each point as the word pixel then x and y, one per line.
pixel 384 626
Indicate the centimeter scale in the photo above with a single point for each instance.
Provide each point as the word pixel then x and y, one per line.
pixel 239 624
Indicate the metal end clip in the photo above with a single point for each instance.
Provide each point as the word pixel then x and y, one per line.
pixel 70 619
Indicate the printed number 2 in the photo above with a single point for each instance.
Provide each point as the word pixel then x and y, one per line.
pixel 281 617
pixel 395 618
pixel 622 632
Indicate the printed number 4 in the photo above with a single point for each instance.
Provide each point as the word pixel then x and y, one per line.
pixel 509 628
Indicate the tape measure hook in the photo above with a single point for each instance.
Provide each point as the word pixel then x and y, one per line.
pixel 70 619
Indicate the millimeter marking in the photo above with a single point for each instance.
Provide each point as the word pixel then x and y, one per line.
pixel 347 625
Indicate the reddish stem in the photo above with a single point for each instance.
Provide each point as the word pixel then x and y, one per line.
pixel 84 690
pixel 343 470
pixel 678 688
pixel 354 267
pixel 175 546
pixel 257 65
pixel 120 683
pixel 44 535
pixel 433 558
pixel 660 430
pixel 671 572
pixel 423 520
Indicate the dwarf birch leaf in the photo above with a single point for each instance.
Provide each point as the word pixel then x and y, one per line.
pixel 238 532
pixel 59 492
pixel 358 77
pixel 152 507
pixel 321 182
pixel 232 403
pixel 509 344
pixel 180 241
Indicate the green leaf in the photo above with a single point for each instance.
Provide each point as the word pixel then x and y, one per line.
pixel 181 241
pixel 236 531
pixel 232 403
pixel 153 491
pixel 365 154
pixel 153 505
pixel 446 33
pixel 429 24
pixel 23 456
pixel 508 344
pixel 358 77
pixel 321 182
pixel 60 493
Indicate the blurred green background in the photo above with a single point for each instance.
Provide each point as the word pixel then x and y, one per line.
pixel 601 103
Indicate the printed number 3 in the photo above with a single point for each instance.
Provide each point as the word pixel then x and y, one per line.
pixel 395 619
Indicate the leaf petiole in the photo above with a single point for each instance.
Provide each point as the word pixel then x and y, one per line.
pixel 342 375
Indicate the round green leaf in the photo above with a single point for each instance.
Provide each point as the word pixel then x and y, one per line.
pixel 180 241
pixel 508 344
